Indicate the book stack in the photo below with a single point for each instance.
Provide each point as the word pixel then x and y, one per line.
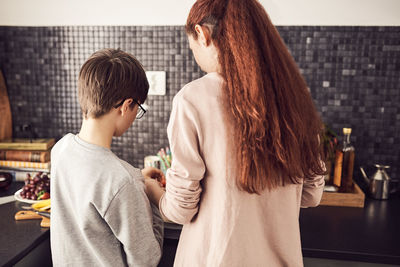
pixel 25 156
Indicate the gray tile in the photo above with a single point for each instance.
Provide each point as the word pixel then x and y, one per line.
pixel 353 74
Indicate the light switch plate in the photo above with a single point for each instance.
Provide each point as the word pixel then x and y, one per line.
pixel 157 82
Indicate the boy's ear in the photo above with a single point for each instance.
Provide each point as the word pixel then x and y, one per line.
pixel 203 33
pixel 126 106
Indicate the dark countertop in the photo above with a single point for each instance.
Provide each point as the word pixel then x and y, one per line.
pixel 18 238
pixel 369 234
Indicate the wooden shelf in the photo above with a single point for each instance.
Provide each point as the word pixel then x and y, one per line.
pixel 351 199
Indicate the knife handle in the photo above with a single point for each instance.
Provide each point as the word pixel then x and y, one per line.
pixel 26 215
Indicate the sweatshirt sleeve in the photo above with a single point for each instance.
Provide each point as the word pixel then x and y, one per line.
pixel 130 218
pixel 312 191
pixel 180 201
pixel 158 224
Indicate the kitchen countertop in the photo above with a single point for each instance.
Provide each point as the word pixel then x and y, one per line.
pixel 18 238
pixel 369 234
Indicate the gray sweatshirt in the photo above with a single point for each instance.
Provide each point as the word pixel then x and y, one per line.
pixel 100 214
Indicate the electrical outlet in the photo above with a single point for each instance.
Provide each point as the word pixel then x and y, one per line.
pixel 156 82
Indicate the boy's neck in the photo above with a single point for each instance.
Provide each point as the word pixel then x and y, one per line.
pixel 98 131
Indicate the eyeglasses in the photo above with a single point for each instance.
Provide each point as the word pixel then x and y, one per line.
pixel 141 111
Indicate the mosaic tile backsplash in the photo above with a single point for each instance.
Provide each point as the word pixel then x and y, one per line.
pixel 353 74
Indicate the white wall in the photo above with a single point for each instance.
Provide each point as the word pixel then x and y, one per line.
pixel 174 12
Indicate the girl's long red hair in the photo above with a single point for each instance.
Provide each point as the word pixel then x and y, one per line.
pixel 267 101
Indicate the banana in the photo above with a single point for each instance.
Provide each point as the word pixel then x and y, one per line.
pixel 42 205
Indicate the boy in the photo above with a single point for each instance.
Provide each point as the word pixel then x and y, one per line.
pixel 100 214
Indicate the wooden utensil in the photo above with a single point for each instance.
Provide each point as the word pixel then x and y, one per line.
pixel 5 111
pixel 45 222
pixel 31 215
pixel 26 215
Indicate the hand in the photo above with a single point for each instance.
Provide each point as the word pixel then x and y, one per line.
pixel 154 173
pixel 154 190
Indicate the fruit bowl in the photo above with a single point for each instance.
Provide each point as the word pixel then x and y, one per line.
pixel 17 196
pixel 35 188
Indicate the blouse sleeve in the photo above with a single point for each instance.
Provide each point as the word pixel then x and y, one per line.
pixel 180 201
pixel 313 188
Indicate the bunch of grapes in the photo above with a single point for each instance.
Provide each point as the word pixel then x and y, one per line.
pixel 36 188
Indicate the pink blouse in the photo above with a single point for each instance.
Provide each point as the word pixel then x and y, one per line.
pixel 223 226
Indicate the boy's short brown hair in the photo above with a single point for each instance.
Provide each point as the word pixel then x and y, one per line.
pixel 107 77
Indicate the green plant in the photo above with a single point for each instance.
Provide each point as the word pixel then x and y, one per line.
pixel 329 140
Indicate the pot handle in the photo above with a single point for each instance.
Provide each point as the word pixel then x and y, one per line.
pixel 397 188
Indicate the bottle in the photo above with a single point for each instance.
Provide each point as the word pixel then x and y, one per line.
pixel 344 164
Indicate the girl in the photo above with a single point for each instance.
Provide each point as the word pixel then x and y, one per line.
pixel 245 144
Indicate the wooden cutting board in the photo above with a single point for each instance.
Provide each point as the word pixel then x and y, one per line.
pixel 31 215
pixel 5 111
